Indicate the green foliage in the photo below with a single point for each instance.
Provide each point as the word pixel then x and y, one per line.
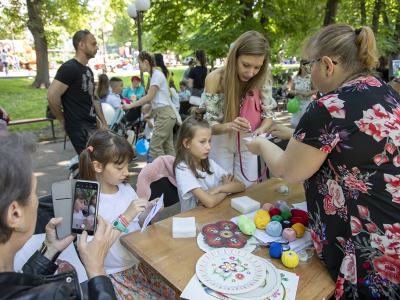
pixel 60 17
pixel 186 25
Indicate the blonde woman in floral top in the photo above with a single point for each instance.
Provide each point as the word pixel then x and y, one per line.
pixel 346 149
pixel 225 88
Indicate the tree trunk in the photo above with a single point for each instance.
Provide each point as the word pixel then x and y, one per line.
pixel 36 27
pixel 363 12
pixel 330 11
pixel 375 15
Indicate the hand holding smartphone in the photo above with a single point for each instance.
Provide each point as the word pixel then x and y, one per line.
pixel 62 195
pixel 85 206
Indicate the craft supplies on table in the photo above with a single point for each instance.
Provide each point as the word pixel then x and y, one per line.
pixel 245 204
pixel 281 285
pixel 183 227
pixel 261 235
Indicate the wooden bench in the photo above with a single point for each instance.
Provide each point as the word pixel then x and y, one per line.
pixel 35 120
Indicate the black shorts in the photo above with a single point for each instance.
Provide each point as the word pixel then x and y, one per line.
pixel 80 135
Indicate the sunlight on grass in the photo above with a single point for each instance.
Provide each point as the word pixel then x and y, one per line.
pixel 23 102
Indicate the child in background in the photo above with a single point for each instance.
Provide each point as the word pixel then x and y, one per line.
pixel 114 98
pixel 200 180
pixel 148 128
pixel 174 94
pixel 103 88
pixel 106 160
pixel 148 118
pixel 184 93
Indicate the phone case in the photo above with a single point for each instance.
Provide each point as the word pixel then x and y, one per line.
pixel 62 194
pixel 80 184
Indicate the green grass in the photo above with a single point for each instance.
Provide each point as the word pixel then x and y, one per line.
pixel 23 102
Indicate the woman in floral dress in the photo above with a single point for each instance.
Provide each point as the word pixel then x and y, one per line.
pixel 346 149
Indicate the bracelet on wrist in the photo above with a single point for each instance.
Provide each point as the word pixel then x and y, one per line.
pixel 118 225
pixel 124 220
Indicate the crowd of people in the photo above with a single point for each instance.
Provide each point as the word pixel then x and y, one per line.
pixel 343 144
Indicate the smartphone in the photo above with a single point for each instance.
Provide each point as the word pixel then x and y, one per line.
pixel 62 202
pixel 85 206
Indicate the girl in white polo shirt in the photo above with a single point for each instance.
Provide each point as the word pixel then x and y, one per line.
pixel 200 180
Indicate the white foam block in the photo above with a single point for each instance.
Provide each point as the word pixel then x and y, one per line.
pixel 183 227
pixel 245 204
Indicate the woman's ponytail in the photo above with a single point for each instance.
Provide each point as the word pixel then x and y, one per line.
pixel 367 51
pixel 354 48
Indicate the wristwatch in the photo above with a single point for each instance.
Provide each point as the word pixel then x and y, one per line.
pixel 43 250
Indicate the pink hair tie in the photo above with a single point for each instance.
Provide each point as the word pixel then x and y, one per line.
pixel 90 149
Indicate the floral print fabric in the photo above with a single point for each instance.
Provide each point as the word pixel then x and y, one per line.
pixel 214 105
pixel 354 198
pixel 139 283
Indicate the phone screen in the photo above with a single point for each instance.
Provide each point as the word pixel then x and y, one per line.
pixel 84 208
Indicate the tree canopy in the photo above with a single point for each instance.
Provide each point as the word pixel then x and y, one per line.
pixel 186 25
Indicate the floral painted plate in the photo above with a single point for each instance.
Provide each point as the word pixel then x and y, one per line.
pixel 267 289
pixel 231 271
pixel 249 247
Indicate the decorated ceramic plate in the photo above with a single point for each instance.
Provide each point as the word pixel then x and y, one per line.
pixel 250 246
pixel 267 289
pixel 231 271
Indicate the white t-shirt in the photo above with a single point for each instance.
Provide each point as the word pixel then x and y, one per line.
pixel 162 96
pixel 110 207
pixel 114 100
pixel 186 182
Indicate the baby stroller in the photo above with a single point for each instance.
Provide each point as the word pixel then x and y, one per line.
pixel 114 119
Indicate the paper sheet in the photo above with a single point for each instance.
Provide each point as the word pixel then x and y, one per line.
pixel 264 135
pixel 287 291
pixel 183 227
pixel 156 208
pixel 301 205
pixel 69 255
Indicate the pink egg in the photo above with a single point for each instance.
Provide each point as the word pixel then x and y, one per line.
pixel 289 234
pixel 267 206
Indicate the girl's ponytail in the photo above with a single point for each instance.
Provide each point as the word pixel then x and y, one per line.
pixel 86 170
pixel 367 51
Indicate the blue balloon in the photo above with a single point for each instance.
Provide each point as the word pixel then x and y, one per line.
pixel 142 147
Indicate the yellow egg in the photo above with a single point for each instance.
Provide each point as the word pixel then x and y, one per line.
pixel 261 219
pixel 300 229
pixel 290 259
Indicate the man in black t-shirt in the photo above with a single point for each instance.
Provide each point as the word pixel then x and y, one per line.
pixel 70 95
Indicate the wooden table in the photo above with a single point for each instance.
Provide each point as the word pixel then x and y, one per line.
pixel 175 259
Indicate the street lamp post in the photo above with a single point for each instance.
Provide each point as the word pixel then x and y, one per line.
pixel 136 11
